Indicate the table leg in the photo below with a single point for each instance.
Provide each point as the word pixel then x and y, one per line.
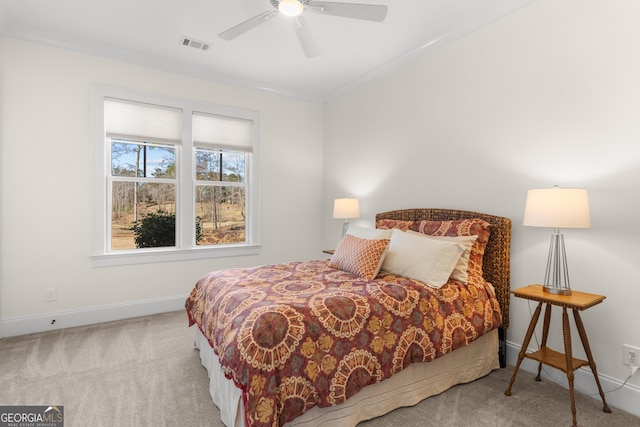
pixel 545 335
pixel 568 354
pixel 525 344
pixel 592 363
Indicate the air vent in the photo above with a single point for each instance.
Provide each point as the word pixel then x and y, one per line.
pixel 196 44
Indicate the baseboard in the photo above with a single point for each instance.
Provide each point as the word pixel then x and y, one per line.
pixel 625 397
pixel 89 316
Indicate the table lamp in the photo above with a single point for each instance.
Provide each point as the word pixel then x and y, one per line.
pixel 557 208
pixel 346 208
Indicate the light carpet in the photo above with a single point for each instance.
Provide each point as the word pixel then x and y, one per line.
pixel 146 372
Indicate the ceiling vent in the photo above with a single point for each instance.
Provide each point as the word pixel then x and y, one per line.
pixel 196 44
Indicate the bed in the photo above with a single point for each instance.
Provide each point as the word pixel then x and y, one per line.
pixel 338 341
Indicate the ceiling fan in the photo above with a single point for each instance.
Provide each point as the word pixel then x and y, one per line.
pixel 295 8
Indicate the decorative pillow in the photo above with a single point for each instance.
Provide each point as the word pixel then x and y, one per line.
pixel 362 257
pixel 388 224
pixel 460 227
pixel 428 260
pixel 459 272
pixel 369 233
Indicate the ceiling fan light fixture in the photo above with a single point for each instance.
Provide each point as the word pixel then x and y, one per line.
pixel 290 7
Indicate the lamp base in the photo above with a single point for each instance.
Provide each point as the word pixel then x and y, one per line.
pixel 345 227
pixel 556 278
pixel 556 291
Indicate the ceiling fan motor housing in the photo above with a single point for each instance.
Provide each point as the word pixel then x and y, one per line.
pixel 275 3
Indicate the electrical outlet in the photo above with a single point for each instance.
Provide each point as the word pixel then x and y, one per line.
pixel 630 355
pixel 51 294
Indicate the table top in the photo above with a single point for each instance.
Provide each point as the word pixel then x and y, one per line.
pixel 577 300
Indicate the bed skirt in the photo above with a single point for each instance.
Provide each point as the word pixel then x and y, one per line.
pixel 406 388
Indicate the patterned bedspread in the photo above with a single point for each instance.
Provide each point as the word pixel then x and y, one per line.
pixel 301 334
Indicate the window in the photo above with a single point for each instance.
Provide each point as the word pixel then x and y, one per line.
pixel 143 194
pixel 172 179
pixel 222 147
pixel 220 197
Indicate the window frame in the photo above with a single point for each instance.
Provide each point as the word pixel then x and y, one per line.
pixel 186 247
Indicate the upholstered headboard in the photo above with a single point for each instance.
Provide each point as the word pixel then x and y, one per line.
pixel 496 261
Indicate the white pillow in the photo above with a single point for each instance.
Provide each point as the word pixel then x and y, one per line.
pixel 369 233
pixel 428 260
pixel 459 272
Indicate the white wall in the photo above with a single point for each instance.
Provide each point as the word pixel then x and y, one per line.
pixel 46 187
pixel 549 95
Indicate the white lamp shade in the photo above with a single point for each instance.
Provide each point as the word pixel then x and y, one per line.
pixel 557 208
pixel 346 208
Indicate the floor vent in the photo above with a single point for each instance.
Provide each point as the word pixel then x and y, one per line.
pixel 196 44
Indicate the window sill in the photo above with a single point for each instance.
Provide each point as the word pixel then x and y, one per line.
pixel 168 255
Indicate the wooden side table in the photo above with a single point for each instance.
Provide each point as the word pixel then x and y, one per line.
pixel 577 302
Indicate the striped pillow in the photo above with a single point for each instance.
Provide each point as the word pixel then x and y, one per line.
pixel 362 257
pixel 461 227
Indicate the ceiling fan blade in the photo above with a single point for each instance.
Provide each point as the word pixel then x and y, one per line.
pixel 368 12
pixel 308 42
pixel 247 25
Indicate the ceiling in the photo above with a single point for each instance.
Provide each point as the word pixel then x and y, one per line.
pixel 149 33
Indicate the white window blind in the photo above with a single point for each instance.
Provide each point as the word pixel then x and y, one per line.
pixel 213 131
pixel 140 121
